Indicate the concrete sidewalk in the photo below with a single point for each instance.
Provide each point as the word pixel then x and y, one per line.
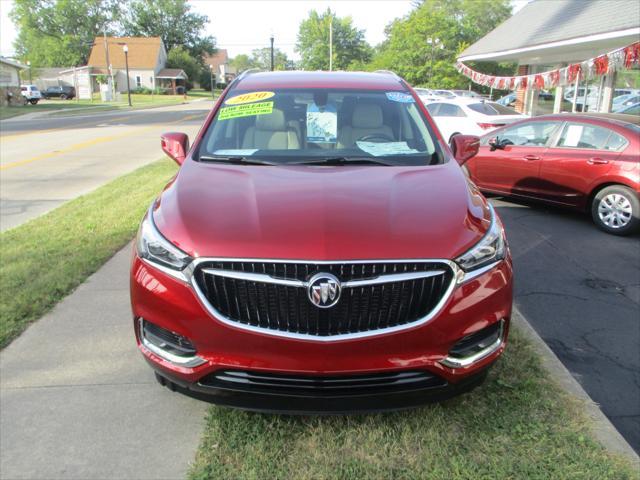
pixel 79 402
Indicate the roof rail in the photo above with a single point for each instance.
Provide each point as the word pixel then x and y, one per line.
pixel 243 74
pixel 389 72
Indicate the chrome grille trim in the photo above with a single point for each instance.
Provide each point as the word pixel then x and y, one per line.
pixel 260 277
pixel 457 275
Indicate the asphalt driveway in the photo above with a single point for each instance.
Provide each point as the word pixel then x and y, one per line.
pixel 580 289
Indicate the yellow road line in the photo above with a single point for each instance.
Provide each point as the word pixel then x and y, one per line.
pixel 89 143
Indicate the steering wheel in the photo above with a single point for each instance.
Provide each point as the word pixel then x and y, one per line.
pixel 376 137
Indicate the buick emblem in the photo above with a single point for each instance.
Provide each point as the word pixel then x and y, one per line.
pixel 324 290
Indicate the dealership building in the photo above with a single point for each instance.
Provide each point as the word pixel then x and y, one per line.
pixel 550 34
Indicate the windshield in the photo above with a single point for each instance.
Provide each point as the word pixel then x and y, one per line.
pixel 288 126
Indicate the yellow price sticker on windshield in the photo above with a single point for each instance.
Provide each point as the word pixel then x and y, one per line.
pixel 249 97
pixel 248 110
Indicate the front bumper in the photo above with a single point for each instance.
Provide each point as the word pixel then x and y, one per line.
pixel 173 305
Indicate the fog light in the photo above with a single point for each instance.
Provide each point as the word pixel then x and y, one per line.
pixel 475 347
pixel 168 345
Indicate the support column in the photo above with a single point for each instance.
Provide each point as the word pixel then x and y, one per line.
pixel 608 91
pixel 557 101
pixel 521 92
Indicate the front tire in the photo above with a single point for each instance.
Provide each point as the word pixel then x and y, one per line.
pixel 616 210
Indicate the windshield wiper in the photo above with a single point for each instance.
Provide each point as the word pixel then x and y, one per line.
pixel 234 159
pixel 341 161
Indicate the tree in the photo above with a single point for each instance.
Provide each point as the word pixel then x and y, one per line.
pixel 349 45
pixel 241 62
pixel 173 21
pixel 179 57
pixel 53 33
pixel 261 58
pixel 454 23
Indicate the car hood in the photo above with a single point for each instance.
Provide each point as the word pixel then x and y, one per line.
pixel 320 212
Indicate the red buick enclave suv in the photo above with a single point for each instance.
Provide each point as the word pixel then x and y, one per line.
pixel 320 250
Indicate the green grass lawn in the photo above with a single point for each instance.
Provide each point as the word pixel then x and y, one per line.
pixel 518 425
pixel 15 110
pixel 45 259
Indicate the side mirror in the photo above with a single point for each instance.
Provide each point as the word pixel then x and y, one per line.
pixel 465 147
pixel 175 145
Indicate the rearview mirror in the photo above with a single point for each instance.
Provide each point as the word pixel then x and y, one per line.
pixel 175 145
pixel 465 147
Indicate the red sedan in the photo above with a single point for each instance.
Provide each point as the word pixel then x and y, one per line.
pixel 588 162
pixel 321 250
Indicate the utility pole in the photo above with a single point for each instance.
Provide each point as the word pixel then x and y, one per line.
pixel 29 65
pixel 272 66
pixel 331 43
pixel 106 56
pixel 126 63
pixel 211 80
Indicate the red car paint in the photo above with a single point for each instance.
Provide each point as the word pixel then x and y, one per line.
pixel 335 213
pixel 563 176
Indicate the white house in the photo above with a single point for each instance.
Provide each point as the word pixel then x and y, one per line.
pixel 147 59
pixel 10 81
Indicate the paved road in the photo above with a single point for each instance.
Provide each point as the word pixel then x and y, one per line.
pixel 46 162
pixel 580 289
pixel 79 401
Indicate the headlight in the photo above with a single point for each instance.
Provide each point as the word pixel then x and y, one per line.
pixel 153 247
pixel 492 247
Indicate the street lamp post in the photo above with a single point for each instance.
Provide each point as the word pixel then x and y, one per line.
pixel 126 63
pixel 433 42
pixel 211 80
pixel 272 66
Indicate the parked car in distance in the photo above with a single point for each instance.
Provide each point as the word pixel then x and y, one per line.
pixel 470 116
pixel 62 92
pixel 631 109
pixel 466 93
pixel 30 93
pixel 508 100
pixel 618 92
pixel 624 101
pixel 588 162
pixel 445 93
pixel 320 249
pixel 426 94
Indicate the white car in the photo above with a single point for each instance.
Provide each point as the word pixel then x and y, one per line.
pixel 624 101
pixel 31 94
pixel 470 116
pixel 426 94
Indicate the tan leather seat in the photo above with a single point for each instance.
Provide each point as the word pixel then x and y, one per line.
pixel 271 132
pixel 366 120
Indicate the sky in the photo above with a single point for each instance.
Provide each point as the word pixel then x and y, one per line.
pixel 243 25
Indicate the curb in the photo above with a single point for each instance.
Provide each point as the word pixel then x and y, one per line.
pixel 601 426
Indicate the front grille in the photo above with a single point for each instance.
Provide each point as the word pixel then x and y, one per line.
pixel 292 384
pixel 286 308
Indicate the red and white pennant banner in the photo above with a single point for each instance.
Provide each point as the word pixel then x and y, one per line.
pixel 625 57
